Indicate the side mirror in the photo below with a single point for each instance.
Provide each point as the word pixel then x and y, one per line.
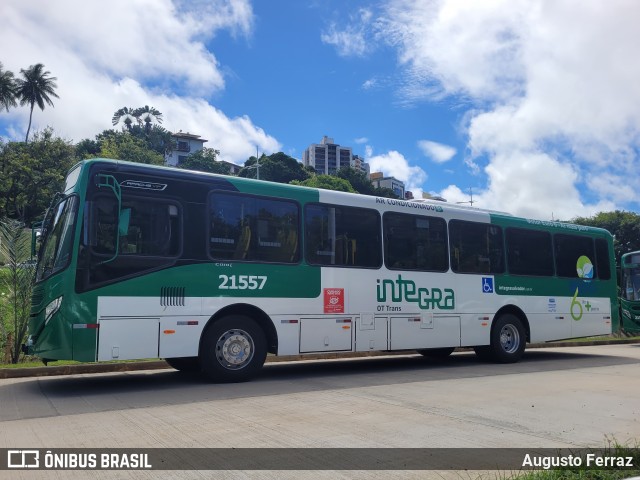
pixel 36 238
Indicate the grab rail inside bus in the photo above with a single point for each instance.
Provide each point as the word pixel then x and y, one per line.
pixel 110 182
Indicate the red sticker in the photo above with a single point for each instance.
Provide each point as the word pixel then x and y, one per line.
pixel 334 300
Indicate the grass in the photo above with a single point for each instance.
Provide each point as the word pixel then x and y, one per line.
pixel 612 337
pixel 34 362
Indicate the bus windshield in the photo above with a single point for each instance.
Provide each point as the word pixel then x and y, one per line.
pixel 57 243
pixel 631 283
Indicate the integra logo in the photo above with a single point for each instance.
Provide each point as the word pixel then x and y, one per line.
pixel 158 187
pixel 400 290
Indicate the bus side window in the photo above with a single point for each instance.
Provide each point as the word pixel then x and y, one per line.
pixel 529 252
pixel 476 247
pixel 568 249
pixel 603 267
pixel 415 242
pixel 153 228
pixel 253 228
pixel 342 236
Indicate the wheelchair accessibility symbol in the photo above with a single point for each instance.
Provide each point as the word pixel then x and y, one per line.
pixel 487 284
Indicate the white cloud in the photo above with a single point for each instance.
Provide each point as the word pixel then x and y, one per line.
pixel 127 59
pixel 369 84
pixel 531 185
pixel 394 164
pixel 552 91
pixel 437 152
pixel 351 40
pixel 361 140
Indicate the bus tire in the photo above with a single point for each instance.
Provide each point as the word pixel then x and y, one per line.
pixel 233 349
pixel 508 339
pixel 436 352
pixel 184 364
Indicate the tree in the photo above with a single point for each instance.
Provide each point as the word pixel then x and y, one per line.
pixel 358 180
pixel 139 123
pixel 328 182
pixel 123 146
pixel 33 172
pixel 87 149
pixel 146 116
pixel 8 89
pixel 157 138
pixel 277 167
pixel 384 192
pixel 36 87
pixel 625 227
pixel 125 115
pixel 205 160
pixel 16 281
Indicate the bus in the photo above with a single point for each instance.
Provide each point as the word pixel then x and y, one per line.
pixel 212 273
pixel 630 292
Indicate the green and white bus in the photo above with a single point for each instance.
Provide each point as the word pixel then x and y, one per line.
pixel 630 292
pixel 214 272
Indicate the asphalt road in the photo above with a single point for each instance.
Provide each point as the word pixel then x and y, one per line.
pixel 557 397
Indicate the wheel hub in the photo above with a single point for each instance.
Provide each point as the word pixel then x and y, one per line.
pixel 234 349
pixel 509 338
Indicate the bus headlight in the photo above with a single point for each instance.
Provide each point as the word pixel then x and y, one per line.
pixel 51 309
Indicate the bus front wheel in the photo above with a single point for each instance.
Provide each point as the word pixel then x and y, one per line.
pixel 508 340
pixel 233 349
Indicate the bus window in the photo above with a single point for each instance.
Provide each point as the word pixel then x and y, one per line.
pixel 151 239
pixel 603 267
pixel 245 227
pixel 569 248
pixel 529 252
pixel 413 242
pixel 342 236
pixel 475 247
pixel 153 227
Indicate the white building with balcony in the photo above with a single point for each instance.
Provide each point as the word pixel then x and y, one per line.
pixel 186 144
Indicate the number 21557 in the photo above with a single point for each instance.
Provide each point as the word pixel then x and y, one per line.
pixel 242 282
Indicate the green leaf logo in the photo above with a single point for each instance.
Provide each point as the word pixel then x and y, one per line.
pixel 584 267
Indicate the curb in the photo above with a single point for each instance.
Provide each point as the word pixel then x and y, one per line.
pixel 54 370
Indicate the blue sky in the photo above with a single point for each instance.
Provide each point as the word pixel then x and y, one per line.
pixel 534 105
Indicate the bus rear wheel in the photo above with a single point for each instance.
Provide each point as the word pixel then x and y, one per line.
pixel 508 340
pixel 233 349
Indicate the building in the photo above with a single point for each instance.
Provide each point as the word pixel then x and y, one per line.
pixel 233 168
pixel 379 180
pixel 358 163
pixel 327 157
pixel 186 144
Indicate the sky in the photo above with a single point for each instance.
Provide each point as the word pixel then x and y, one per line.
pixel 526 106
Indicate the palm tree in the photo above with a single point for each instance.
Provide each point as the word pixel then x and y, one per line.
pixel 7 89
pixel 125 115
pixel 35 87
pixel 147 115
